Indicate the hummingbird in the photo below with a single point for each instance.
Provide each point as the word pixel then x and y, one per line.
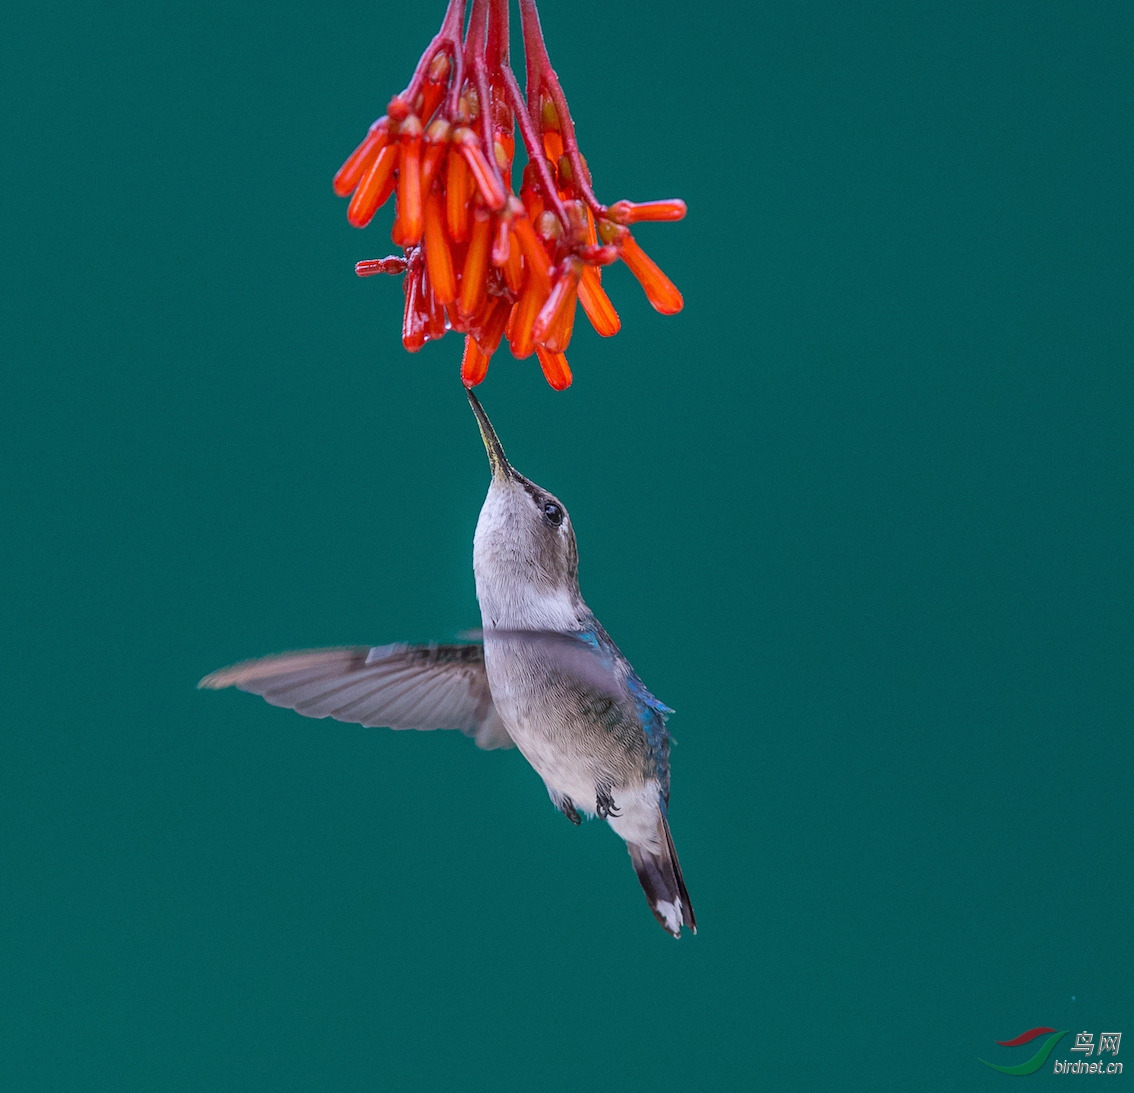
pixel 545 678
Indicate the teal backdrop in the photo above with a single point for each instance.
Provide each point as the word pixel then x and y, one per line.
pixel 862 513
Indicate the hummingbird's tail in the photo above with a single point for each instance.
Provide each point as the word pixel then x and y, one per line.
pixel 659 873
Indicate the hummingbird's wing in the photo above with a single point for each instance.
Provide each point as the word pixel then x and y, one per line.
pixel 392 686
pixel 572 654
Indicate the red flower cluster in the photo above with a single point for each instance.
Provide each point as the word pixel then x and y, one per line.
pixel 479 258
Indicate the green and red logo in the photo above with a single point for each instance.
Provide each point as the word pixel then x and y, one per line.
pixel 1029 1066
pixel 1085 1046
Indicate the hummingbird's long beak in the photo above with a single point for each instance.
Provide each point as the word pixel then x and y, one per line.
pixel 497 460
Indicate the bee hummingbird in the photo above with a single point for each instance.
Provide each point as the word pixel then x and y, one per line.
pixel 546 679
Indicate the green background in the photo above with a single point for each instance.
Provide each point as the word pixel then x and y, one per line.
pixel 862 513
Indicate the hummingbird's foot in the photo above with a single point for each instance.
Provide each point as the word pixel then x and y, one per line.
pixel 604 805
pixel 565 805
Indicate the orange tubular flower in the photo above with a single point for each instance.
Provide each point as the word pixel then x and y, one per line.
pixel 555 368
pixel 351 173
pixel 458 195
pixel 660 290
pixel 375 189
pixel 438 259
pixel 513 265
pixel 489 326
pixel 522 336
pixel 409 181
pixel 474 363
pixel 597 304
pixel 478 258
pixel 473 281
pixel 553 324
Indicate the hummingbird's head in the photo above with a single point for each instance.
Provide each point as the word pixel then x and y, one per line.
pixel 525 557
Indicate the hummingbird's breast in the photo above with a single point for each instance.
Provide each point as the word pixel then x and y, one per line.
pixel 579 738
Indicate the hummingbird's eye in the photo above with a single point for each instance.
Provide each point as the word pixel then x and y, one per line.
pixel 552 513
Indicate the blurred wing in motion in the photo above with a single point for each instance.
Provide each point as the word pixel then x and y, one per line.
pixel 391 686
pixel 574 654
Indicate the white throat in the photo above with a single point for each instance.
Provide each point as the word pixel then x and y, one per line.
pixel 512 592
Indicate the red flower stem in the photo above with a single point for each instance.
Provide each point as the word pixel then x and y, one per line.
pixel 478 73
pixel 448 40
pixel 541 75
pixel 475 41
pixel 534 147
pixel 496 58
pixel 496 52
pixel 458 79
